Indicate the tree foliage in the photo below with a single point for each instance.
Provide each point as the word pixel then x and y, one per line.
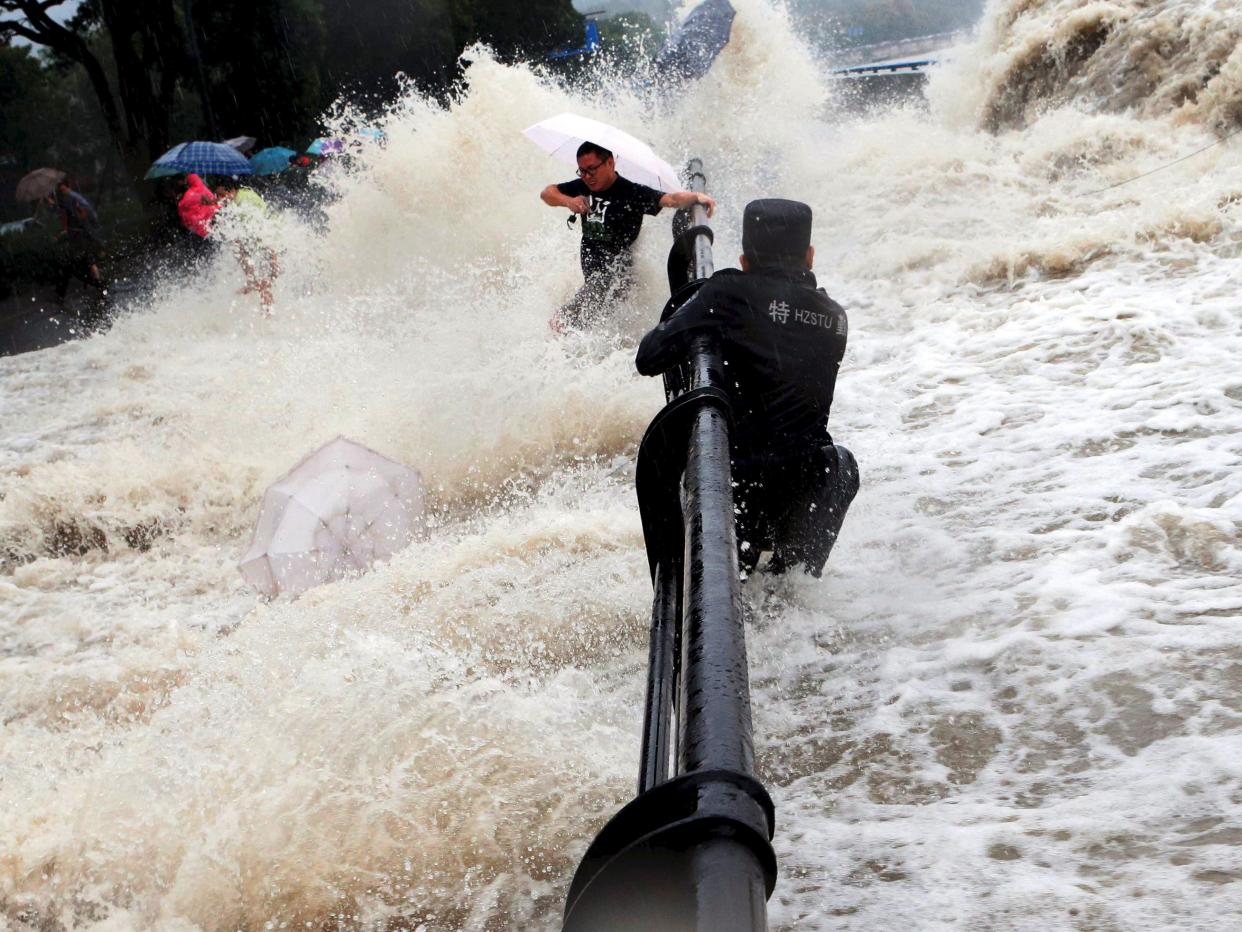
pixel 263 65
pixel 161 71
pixel 515 28
pixel 30 108
pixel 371 46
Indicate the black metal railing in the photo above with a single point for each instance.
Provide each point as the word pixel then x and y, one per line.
pixel 692 852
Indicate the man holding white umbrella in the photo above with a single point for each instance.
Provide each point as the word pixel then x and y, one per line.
pixel 612 205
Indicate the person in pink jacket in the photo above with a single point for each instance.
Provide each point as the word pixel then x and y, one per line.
pixel 197 206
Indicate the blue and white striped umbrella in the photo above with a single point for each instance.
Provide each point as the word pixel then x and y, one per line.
pixel 202 158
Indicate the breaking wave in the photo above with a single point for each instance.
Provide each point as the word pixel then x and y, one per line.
pixel 1153 59
pixel 1009 701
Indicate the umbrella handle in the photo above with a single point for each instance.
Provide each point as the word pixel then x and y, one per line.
pixel 571 220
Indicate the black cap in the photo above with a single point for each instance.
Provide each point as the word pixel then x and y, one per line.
pixel 776 232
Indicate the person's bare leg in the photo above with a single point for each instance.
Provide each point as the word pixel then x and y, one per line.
pixel 265 297
pixel 248 271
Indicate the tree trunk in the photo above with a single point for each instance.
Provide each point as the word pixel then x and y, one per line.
pixel 124 21
pixel 204 92
pixel 55 36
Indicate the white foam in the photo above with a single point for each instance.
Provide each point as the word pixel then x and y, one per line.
pixel 1011 701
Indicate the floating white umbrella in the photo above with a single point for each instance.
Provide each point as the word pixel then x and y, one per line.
pixel 561 136
pixel 333 515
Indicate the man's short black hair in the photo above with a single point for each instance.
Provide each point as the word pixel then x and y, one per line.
pixel 590 148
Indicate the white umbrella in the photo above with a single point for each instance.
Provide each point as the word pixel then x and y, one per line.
pixel 242 144
pixel 334 514
pixel 561 136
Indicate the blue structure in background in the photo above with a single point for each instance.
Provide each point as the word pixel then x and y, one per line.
pixel 886 67
pixel 690 50
pixel 591 43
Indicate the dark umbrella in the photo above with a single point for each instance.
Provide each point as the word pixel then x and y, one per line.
pixel 271 161
pixel 39 183
pixel 690 51
pixel 202 158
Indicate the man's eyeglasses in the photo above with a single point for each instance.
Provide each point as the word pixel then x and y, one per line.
pixel 590 170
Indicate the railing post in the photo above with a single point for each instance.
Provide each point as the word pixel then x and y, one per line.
pixel 661 675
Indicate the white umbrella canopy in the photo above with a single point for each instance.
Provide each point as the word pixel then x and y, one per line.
pixel 331 516
pixel 560 136
pixel 242 144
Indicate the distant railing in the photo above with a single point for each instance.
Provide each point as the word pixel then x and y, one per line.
pixel 884 68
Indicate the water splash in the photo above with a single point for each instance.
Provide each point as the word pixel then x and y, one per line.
pixel 1009 702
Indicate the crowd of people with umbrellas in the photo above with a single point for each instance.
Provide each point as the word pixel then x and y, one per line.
pixel 342 490
pixel 190 166
pixel 78 235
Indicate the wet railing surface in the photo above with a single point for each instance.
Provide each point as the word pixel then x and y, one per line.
pixel 693 850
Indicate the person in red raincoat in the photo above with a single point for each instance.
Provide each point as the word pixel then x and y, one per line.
pixel 197 206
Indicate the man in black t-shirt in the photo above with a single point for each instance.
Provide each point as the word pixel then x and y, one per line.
pixel 782 340
pixel 612 210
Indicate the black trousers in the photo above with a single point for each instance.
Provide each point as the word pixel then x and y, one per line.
pixel 601 289
pixel 792 503
pixel 77 257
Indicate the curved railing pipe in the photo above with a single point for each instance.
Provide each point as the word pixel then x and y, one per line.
pixel 692 852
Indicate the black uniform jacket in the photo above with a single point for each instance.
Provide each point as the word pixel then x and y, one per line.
pixel 782 339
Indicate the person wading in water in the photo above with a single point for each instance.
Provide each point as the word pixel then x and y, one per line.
pixel 782 339
pixel 612 210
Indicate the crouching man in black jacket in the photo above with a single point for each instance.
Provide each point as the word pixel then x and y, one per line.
pixel 782 340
